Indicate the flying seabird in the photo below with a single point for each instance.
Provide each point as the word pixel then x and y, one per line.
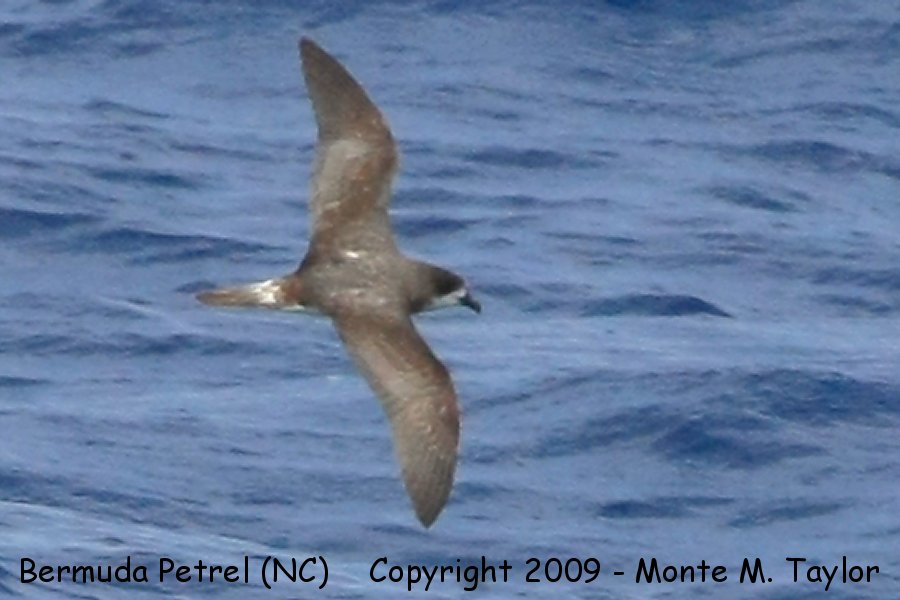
pixel 354 273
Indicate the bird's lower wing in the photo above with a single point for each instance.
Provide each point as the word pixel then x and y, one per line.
pixel 417 394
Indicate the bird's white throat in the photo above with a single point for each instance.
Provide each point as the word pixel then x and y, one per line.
pixel 447 300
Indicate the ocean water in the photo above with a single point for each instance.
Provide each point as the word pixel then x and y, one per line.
pixel 682 218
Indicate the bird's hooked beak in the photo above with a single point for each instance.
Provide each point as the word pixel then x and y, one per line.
pixel 471 302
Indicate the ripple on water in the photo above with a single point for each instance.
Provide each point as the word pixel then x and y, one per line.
pixel 751 197
pixel 146 246
pixel 17 222
pixel 652 305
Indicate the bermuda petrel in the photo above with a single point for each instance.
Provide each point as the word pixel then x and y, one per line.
pixel 354 273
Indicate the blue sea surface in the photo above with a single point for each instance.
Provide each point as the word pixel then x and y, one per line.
pixel 682 219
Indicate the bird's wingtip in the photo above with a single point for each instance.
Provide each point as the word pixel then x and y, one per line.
pixel 307 46
pixel 427 519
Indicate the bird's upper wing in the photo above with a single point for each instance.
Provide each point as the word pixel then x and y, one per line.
pixel 355 155
pixel 417 394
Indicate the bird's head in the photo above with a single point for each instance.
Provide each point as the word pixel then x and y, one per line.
pixel 446 289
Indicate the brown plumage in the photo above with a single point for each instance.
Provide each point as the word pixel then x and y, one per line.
pixel 354 273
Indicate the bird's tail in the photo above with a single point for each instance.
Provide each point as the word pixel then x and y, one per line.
pixel 279 294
